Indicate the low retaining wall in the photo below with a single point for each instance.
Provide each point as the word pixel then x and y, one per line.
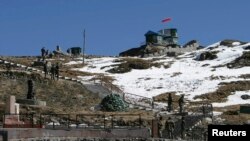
pixel 41 134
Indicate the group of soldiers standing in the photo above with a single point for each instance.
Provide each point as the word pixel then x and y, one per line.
pixel 52 69
pixel 48 68
pixel 44 53
pixel 181 103
pixel 169 124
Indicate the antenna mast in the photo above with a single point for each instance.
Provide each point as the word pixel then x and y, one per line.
pixel 83 48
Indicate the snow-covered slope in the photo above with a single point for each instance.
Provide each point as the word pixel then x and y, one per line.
pixel 186 75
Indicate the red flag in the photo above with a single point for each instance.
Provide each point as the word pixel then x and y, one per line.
pixel 166 20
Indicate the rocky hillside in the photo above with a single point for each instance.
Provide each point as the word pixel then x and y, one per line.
pixel 61 96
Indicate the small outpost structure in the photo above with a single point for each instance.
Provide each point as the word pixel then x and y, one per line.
pixel 163 37
pixel 163 42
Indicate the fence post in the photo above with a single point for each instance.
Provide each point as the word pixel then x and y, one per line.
pixel 104 121
pixel 76 121
pixel 32 122
pixel 112 122
pixel 40 121
pixel 68 120
pixel 3 120
pixel 140 121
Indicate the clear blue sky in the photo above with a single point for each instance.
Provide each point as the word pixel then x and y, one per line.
pixel 113 26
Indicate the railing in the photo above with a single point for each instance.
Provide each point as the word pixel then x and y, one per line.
pixel 197 134
pixel 55 121
pixel 67 121
pixel 108 121
pixel 19 121
pixel 201 108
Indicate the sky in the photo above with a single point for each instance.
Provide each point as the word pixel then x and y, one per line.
pixel 113 26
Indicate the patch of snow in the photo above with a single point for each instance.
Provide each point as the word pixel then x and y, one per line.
pixel 99 65
pixel 73 63
pixel 85 78
pixel 216 113
pixel 185 75
pixel 234 99
pixel 236 43
pixel 54 123
pixel 213 45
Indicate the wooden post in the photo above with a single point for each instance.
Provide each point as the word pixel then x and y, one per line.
pixel 155 130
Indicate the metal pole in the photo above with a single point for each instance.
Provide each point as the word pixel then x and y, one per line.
pixel 83 48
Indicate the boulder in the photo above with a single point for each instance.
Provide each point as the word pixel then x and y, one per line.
pixel 245 96
pixel 231 43
pixel 241 61
pixel 207 56
pixel 247 48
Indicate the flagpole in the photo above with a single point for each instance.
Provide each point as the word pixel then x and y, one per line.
pixel 83 47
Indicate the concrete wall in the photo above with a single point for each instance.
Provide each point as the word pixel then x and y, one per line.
pixel 29 133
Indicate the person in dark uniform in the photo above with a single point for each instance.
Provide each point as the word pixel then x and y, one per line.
pixel 181 103
pixel 170 101
pixel 45 69
pixel 183 124
pixel 161 124
pixel 57 71
pixel 169 125
pixel 43 51
pixel 52 72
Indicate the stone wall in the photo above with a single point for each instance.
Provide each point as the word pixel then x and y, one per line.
pixel 172 50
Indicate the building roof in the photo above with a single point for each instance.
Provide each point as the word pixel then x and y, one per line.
pixel 151 33
pixel 75 48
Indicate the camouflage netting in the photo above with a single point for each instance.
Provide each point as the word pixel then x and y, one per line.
pixel 113 102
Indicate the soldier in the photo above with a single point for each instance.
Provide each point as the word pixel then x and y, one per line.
pixel 58 49
pixel 161 123
pixel 181 103
pixel 170 100
pixel 204 110
pixel 31 93
pixel 47 52
pixel 43 51
pixel 183 124
pixel 169 125
pixel 8 68
pixel 45 69
pixel 57 71
pixel 52 72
